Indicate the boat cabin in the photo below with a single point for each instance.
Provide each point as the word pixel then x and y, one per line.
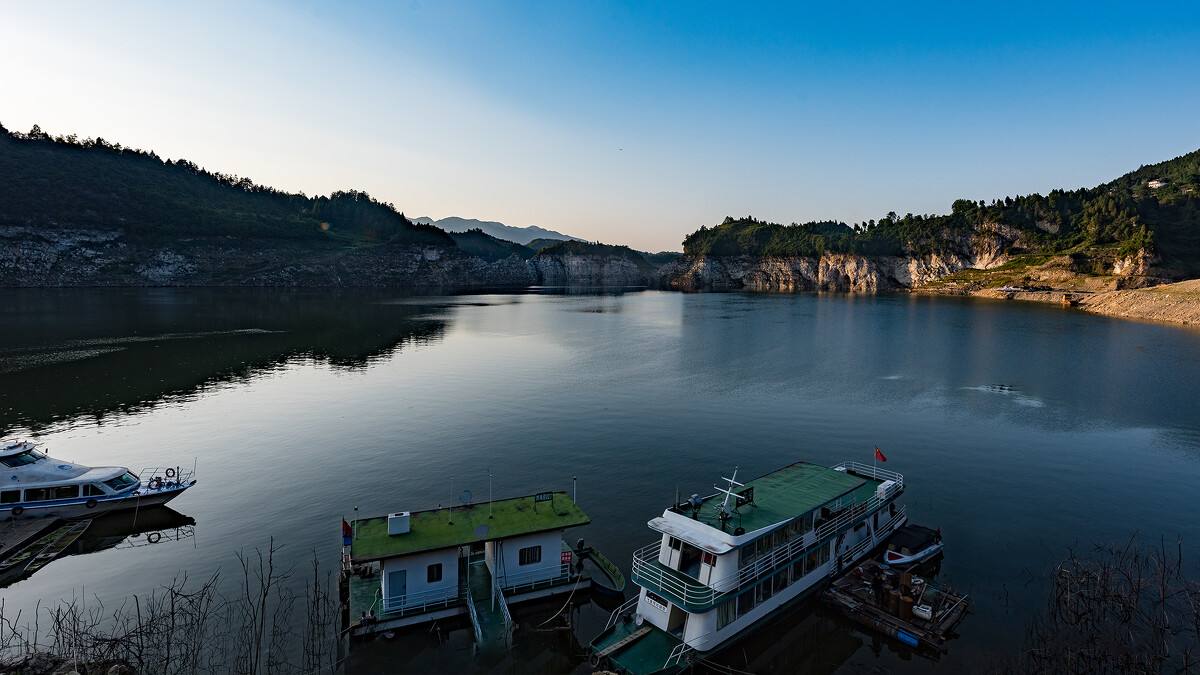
pixel 416 566
pixel 725 561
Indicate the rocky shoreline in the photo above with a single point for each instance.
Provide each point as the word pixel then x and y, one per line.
pixel 1177 303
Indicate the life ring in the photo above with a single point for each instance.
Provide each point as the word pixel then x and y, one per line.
pixel 18 510
pixel 153 537
pixel 155 483
pixel 170 473
pixel 91 503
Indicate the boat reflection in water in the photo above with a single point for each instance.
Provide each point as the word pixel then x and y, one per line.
pixel 27 552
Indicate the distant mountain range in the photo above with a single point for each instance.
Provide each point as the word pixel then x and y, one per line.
pixel 520 235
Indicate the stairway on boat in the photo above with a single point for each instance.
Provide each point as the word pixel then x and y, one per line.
pixel 490 617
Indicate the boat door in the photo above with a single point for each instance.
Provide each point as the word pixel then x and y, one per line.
pixel 397 586
pixel 676 621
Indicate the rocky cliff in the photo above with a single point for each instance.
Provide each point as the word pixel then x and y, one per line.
pixel 35 256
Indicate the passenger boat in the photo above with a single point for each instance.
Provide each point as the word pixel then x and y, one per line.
pixel 727 561
pixel 34 485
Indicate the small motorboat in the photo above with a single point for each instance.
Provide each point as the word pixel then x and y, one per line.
pixel 912 544
pixel 35 485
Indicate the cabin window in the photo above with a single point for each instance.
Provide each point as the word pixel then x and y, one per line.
pixel 674 543
pixel 433 573
pixel 764 590
pixel 781 580
pixel 748 555
pixel 21 459
pixel 121 482
pixel 764 545
pixel 745 602
pixel 709 559
pixel 530 555
pixel 10 496
pixel 812 560
pixel 90 490
pixel 798 568
pixel 779 538
pixel 37 494
pixel 65 492
pixel 725 613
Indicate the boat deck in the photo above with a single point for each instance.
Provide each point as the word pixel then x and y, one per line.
pixel 640 654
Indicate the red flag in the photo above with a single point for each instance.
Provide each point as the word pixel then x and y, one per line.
pixel 347 531
pixel 879 455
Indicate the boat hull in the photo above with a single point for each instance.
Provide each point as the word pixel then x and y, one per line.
pixel 68 509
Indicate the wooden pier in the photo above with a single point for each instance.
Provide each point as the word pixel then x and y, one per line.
pixel 898 604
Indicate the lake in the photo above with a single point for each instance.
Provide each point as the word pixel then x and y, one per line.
pixel 1022 430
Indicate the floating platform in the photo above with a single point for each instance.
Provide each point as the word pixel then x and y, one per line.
pixel 898 604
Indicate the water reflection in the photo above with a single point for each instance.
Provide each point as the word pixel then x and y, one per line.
pixel 126 351
pixel 151 526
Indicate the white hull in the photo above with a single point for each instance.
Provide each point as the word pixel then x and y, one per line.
pixel 81 509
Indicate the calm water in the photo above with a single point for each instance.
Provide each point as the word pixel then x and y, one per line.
pixel 1022 430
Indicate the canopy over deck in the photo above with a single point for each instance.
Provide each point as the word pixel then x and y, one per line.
pixel 461 525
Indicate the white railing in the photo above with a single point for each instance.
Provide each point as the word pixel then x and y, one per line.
pixel 856 511
pixel 416 602
pixel 871 471
pixel 159 477
pixel 616 613
pixel 546 576
pixel 676 654
pixel 498 596
pixel 478 630
pixel 868 543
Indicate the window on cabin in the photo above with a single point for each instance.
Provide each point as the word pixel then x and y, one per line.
pixel 121 482
pixel 674 543
pixel 91 490
pixel 38 494
pixel 726 612
pixel 798 568
pixel 779 537
pixel 10 496
pixel 65 492
pixel 709 559
pixel 764 590
pixel 745 602
pixel 21 458
pixel 780 580
pixel 433 573
pixel 747 555
pixel 530 555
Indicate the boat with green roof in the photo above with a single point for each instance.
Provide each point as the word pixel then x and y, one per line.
pixel 727 561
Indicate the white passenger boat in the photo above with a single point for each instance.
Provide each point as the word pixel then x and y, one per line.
pixel 727 561
pixel 34 485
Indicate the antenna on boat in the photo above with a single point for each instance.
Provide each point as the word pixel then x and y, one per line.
pixel 450 509
pixel 723 511
pixel 489 494
pixel 573 493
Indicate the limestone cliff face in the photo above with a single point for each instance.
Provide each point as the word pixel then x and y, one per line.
pixel 571 269
pixel 831 272
pixel 847 272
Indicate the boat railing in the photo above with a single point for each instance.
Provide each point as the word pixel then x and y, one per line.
pixel 498 597
pixel 413 603
pixel 870 471
pixel 856 510
pixel 676 655
pixel 648 570
pixel 158 477
pixel 535 578
pixel 475 625
pixel 625 607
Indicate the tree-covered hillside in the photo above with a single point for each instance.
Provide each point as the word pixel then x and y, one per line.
pixel 483 245
pixel 1156 208
pixel 65 182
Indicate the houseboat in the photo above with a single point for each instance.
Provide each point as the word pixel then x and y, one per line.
pixel 34 485
pixel 724 562
pixel 475 559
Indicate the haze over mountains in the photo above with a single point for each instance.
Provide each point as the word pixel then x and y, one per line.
pixel 520 235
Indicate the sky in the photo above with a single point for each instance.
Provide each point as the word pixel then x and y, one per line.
pixel 631 123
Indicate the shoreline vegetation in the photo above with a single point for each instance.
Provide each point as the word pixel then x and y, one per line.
pixel 92 213
pixel 1129 608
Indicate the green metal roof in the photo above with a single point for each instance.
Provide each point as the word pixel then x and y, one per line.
pixel 786 493
pixel 461 525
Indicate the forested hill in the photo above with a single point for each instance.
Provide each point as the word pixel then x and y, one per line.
pixel 1156 209
pixel 66 182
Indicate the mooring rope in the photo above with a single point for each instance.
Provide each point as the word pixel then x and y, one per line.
pixel 565 604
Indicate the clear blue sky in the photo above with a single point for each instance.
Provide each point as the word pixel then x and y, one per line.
pixel 628 123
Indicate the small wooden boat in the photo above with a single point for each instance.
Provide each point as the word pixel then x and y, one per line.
pixel 609 582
